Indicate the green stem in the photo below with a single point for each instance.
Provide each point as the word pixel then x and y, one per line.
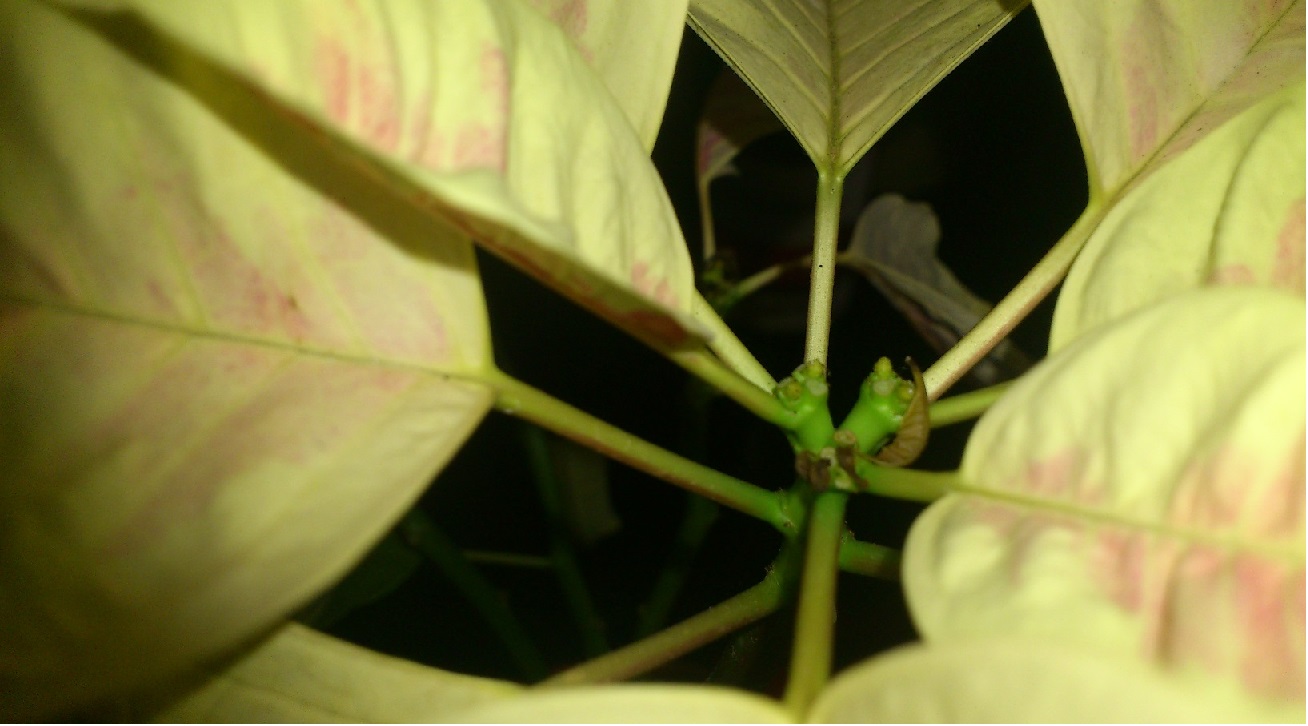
pixel 767 276
pixel 519 399
pixel 729 348
pixel 424 536
pixel 566 567
pixel 1015 306
pixel 911 485
pixel 652 652
pixel 822 275
pixel 810 661
pixel 708 368
pixel 699 518
pixel 865 558
pixel 966 406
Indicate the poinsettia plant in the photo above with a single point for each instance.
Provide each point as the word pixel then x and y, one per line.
pixel 243 328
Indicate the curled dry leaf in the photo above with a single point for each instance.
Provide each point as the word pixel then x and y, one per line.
pixel 894 246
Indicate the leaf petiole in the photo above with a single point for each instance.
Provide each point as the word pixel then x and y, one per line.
pixel 911 485
pixel 708 368
pixel 519 399
pixel 767 276
pixel 826 229
pixel 644 655
pixel 729 348
pixel 865 558
pixel 1015 306
pixel 967 405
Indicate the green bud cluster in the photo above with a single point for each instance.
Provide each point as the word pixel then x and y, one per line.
pixel 828 457
pixel 805 392
pixel 882 399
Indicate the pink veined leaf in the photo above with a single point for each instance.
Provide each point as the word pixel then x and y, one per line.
pixel 1191 116
pixel 509 139
pixel 1139 495
pixel 1146 79
pixel 1154 509
pixel 631 47
pixel 242 324
pixel 220 382
pixel 1014 679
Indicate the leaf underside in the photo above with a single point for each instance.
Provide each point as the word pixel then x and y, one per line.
pixel 1154 509
pixel 242 321
pixel 839 73
pixel 1138 496
pixel 1191 116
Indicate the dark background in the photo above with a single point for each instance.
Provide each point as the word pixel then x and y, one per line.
pixel 992 149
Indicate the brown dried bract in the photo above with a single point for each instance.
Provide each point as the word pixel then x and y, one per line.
pixel 913 430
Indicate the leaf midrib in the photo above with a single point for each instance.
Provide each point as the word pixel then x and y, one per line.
pixel 471 374
pixel 1130 179
pixel 1284 551
pixel 834 137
